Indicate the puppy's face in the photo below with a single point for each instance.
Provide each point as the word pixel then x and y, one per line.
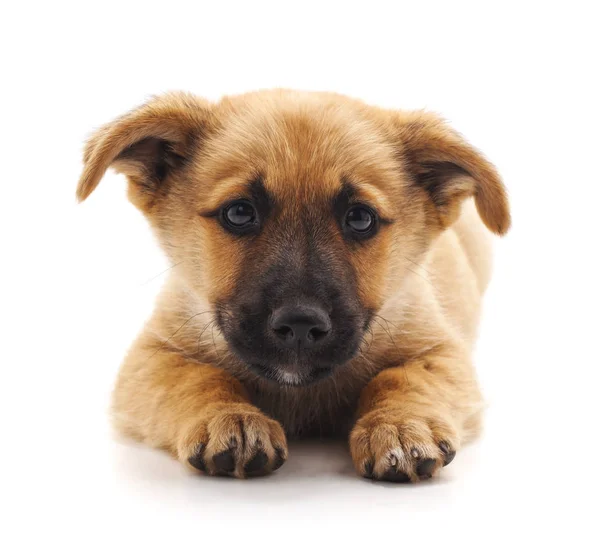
pixel 297 206
pixel 293 215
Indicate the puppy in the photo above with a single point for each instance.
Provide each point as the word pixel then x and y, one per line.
pixel 329 260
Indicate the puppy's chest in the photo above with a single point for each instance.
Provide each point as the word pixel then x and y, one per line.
pixel 327 408
pixel 305 412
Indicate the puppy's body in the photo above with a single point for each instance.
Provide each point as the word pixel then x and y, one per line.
pixel 204 381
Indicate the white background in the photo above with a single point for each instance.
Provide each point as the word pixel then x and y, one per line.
pixel 77 282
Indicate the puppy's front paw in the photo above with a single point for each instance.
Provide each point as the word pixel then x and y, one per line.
pixel 235 440
pixel 402 444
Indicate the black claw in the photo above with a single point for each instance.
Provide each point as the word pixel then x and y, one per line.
pixel 425 468
pixel 257 464
pixel 369 470
pixel 224 462
pixel 449 453
pixel 449 458
pixel 279 459
pixel 395 476
pixel 197 459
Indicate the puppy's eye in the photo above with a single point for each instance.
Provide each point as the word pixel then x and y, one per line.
pixel 239 216
pixel 360 220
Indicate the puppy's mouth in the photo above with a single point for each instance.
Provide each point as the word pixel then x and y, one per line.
pixel 292 376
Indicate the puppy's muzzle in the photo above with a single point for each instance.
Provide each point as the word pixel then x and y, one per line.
pixel 300 327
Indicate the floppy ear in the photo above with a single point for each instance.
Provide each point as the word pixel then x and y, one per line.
pixel 145 144
pixel 450 170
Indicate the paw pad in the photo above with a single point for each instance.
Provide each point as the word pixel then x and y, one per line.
pixel 224 462
pixel 425 468
pixel 257 465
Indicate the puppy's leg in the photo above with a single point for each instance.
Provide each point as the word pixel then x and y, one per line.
pixel 197 412
pixel 412 419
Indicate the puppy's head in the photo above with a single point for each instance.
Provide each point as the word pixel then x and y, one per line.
pixel 293 214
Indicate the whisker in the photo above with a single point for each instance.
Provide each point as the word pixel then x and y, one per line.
pixel 424 278
pixel 176 331
pixel 364 341
pixel 212 332
pixel 161 273
pixel 395 346
pixel 389 335
pixel 419 265
pixel 388 322
pixel 202 333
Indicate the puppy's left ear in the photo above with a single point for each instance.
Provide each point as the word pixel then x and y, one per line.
pixel 146 144
pixel 450 170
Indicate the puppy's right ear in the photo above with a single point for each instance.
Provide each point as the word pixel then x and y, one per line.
pixel 146 144
pixel 449 169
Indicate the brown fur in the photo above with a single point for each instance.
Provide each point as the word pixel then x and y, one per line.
pixel 410 394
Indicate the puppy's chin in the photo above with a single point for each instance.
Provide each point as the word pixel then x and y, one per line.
pixel 292 375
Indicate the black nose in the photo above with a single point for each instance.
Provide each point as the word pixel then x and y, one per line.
pixel 300 327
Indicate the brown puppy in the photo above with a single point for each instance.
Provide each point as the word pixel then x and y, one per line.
pixel 328 270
